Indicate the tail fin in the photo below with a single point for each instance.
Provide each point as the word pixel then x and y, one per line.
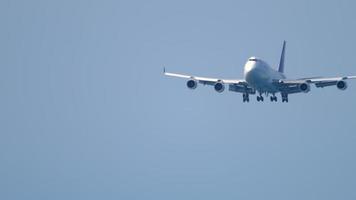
pixel 281 62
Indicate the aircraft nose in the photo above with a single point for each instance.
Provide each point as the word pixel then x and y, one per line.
pixel 249 66
pixel 249 69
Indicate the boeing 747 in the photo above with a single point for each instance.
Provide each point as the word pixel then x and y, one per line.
pixel 260 78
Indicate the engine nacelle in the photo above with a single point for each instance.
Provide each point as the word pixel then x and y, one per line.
pixel 341 85
pixel 304 87
pixel 219 87
pixel 192 84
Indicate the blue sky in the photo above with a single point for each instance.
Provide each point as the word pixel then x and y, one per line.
pixel 87 114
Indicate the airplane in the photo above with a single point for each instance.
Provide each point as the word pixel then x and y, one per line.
pixel 260 78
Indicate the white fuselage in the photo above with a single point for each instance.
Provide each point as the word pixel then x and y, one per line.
pixel 260 75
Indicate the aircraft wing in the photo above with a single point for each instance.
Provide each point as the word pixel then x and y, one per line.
pixel 235 85
pixel 318 81
pixel 295 85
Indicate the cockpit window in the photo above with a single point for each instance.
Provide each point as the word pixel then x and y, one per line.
pixel 253 59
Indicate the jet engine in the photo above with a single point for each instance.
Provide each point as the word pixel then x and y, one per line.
pixel 219 87
pixel 304 87
pixel 341 85
pixel 192 84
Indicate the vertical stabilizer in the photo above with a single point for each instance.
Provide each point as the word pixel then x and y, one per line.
pixel 281 62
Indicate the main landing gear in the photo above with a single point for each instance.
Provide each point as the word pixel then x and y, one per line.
pixel 284 97
pixel 245 97
pixel 273 98
pixel 260 98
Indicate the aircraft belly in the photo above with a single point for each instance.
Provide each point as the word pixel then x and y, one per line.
pixel 260 80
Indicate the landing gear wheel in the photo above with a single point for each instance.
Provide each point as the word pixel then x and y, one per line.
pixel 273 98
pixel 245 98
pixel 259 98
pixel 285 98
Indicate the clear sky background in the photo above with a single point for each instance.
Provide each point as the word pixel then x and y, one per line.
pixel 85 112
